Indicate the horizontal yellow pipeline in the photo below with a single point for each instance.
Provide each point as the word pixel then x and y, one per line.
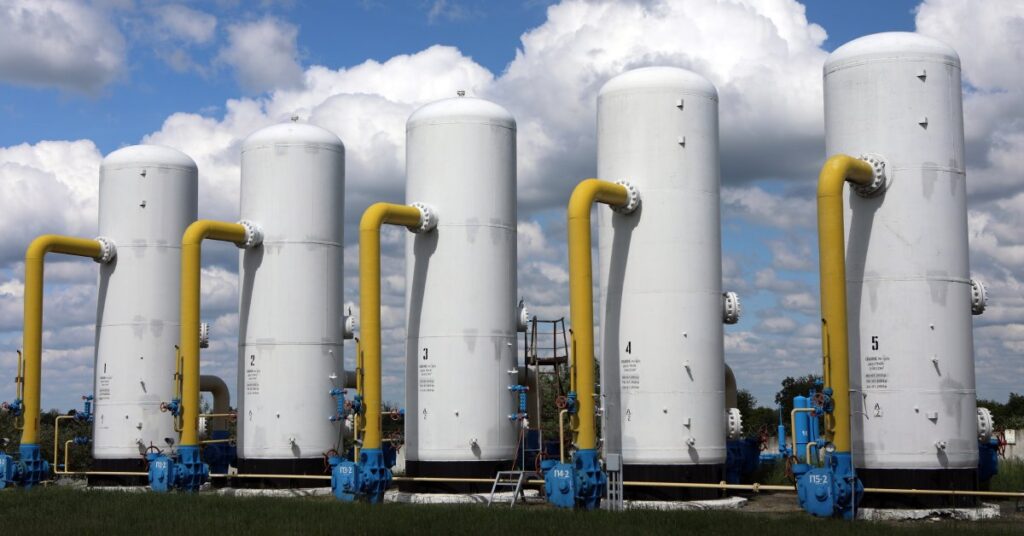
pixel 581 297
pixel 832 262
pixel 33 334
pixel 289 477
pixel 373 219
pixel 191 262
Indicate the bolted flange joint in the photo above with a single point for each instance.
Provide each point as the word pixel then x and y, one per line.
pixel 732 309
pixel 428 218
pixel 878 181
pixel 253 234
pixel 632 201
pixel 979 297
pixel 109 250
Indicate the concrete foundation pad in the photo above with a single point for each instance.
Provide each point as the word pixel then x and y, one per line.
pixel 728 503
pixel 395 496
pixel 255 492
pixel 985 511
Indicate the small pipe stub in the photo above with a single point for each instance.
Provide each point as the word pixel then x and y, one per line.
pixel 428 218
pixel 878 182
pixel 732 309
pixel 253 234
pixel 632 202
pixel 204 335
pixel 979 297
pixel 348 326
pixel 109 250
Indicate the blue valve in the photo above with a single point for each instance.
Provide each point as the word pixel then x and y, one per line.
pixel 86 414
pixel 339 398
pixel 367 480
pixel 183 471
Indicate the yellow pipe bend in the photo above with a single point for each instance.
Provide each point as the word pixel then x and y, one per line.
pixel 191 262
pixel 835 173
pixel 33 333
pixel 581 298
pixel 373 219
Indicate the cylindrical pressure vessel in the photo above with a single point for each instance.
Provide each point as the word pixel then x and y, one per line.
pixel 895 99
pixel 661 279
pixel 147 198
pixel 460 290
pixel 290 313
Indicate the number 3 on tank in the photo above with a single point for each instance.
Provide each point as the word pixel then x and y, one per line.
pixel 426 354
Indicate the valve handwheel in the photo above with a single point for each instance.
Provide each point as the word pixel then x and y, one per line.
pixel 819 400
pixel 561 402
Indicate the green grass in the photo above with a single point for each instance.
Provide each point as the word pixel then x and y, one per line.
pixel 1010 477
pixel 68 511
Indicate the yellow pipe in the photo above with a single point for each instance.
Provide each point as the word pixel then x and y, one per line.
pixel 67 447
pixel 832 258
pixel 56 438
pixel 373 219
pixel 33 334
pixel 792 428
pixel 581 298
pixel 191 262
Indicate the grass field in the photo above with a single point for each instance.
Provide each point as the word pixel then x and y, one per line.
pixel 57 510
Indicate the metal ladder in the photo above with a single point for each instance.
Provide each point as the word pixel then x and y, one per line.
pixel 613 468
pixel 511 479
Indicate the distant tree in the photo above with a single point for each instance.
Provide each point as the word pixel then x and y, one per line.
pixel 755 417
pixel 792 387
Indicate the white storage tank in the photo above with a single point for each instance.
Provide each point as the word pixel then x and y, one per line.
pixel 290 311
pixel 896 98
pixel 460 291
pixel 147 197
pixel 661 310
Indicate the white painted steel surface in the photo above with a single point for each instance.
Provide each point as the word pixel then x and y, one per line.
pixel 461 283
pixel 291 318
pixel 661 270
pixel 147 198
pixel 898 95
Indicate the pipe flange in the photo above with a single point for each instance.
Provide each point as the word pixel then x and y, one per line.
pixel 522 317
pixel 878 181
pixel 734 423
pixel 348 326
pixel 986 425
pixel 632 200
pixel 204 335
pixel 732 309
pixel 428 218
pixel 108 248
pixel 253 234
pixel 979 297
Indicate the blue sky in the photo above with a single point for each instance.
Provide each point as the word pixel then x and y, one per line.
pixel 200 76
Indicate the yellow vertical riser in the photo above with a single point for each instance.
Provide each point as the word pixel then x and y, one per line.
pixel 373 219
pixel 581 296
pixel 832 258
pixel 191 263
pixel 33 331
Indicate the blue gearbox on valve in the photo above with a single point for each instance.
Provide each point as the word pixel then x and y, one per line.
pixel 28 470
pixel 367 480
pixel 581 483
pixel 184 471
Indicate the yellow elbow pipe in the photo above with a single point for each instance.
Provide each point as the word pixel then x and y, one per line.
pixel 243 235
pixel 581 298
pixel 33 334
pixel 373 219
pixel 832 258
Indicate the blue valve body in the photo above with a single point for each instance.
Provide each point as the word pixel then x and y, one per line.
pixel 184 471
pixel 579 484
pixel 367 480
